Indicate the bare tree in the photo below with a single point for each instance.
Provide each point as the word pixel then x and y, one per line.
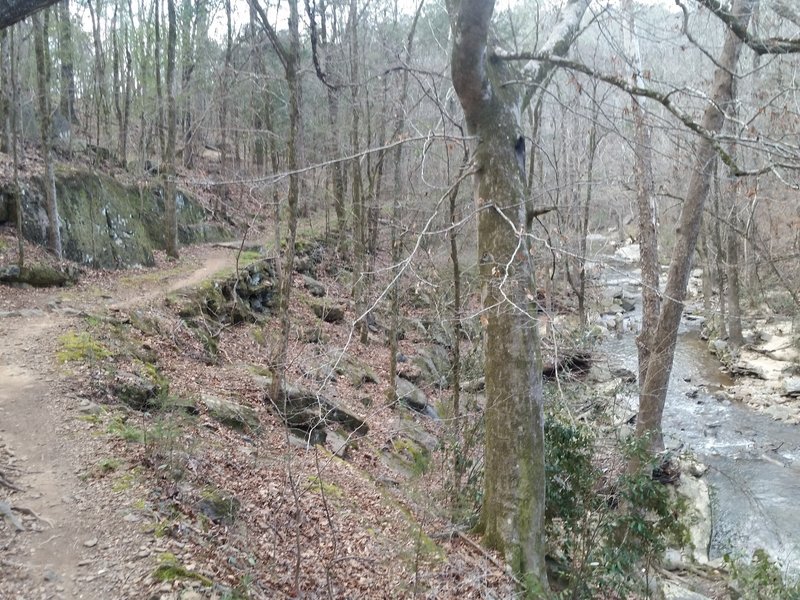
pixel 46 131
pixel 494 95
pixel 289 56
pixel 170 185
pixel 653 390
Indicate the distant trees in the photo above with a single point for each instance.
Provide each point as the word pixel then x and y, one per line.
pixel 622 129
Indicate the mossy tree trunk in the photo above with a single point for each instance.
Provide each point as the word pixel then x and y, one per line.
pixel 170 190
pixel 45 126
pixel 289 56
pixel 512 516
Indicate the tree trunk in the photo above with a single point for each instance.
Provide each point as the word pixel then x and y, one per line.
pixel 157 67
pixel 654 389
pixel 359 204
pixel 584 225
pixel 398 194
pixel 647 210
pixel 101 109
pixel 15 137
pixel 290 59
pixel 45 120
pixel 720 319
pixel 512 515
pixel 66 53
pixel 734 309
pixel 170 187
pixel 6 107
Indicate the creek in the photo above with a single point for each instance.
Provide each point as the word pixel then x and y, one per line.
pixel 754 461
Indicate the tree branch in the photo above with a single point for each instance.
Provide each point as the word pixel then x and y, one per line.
pixel 775 45
pixel 13 11
pixel 280 49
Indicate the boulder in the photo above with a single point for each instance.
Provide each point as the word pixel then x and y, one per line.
pixel 434 365
pixel 314 287
pixel 306 411
pixel 354 370
pixel 414 398
pixel 791 387
pixel 330 313
pixel 673 591
pixel 105 224
pixel 232 414
pixel 219 506
pixel 627 304
pixel 39 276
pixel 698 514
pixel 138 392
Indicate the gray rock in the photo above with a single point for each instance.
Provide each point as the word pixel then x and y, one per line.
pixel 414 398
pixel 672 591
pixel 627 305
pixel 356 371
pixel 791 386
pixel 330 313
pixel 314 287
pixel 9 273
pixel 87 407
pixel 135 391
pixel 219 506
pixel 309 412
pixel 230 413
pixel 434 365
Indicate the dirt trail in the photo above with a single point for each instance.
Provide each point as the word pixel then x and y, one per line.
pixel 77 548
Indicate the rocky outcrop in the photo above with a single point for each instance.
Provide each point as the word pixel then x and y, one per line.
pixel 230 413
pixel 237 298
pixel 39 276
pixel 105 224
pixel 414 398
pixel 328 311
pixel 308 413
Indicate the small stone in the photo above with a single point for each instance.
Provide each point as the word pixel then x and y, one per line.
pixel 90 543
pixel 50 575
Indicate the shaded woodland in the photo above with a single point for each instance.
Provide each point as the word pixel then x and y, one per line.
pixel 429 204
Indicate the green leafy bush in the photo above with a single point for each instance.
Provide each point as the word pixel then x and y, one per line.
pixel 603 533
pixel 761 579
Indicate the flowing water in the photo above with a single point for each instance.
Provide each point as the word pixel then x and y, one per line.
pixel 754 461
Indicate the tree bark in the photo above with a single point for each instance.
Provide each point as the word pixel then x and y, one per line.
pixel 647 210
pixel 5 92
pixel 66 54
pixel 13 11
pixel 101 109
pixel 45 125
pixel 512 515
pixel 170 185
pixel 654 389
pixel 290 60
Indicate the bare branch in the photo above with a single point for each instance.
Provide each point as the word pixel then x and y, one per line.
pixel 774 45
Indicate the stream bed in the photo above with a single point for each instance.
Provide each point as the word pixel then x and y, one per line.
pixel 754 461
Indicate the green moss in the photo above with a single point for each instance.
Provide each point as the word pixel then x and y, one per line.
pixel 413 453
pixel 329 489
pixel 80 347
pixel 125 482
pixel 104 466
pixel 120 428
pixel 170 569
pixel 249 256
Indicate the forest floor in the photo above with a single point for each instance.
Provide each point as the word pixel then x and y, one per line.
pixel 74 540
pixel 103 502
